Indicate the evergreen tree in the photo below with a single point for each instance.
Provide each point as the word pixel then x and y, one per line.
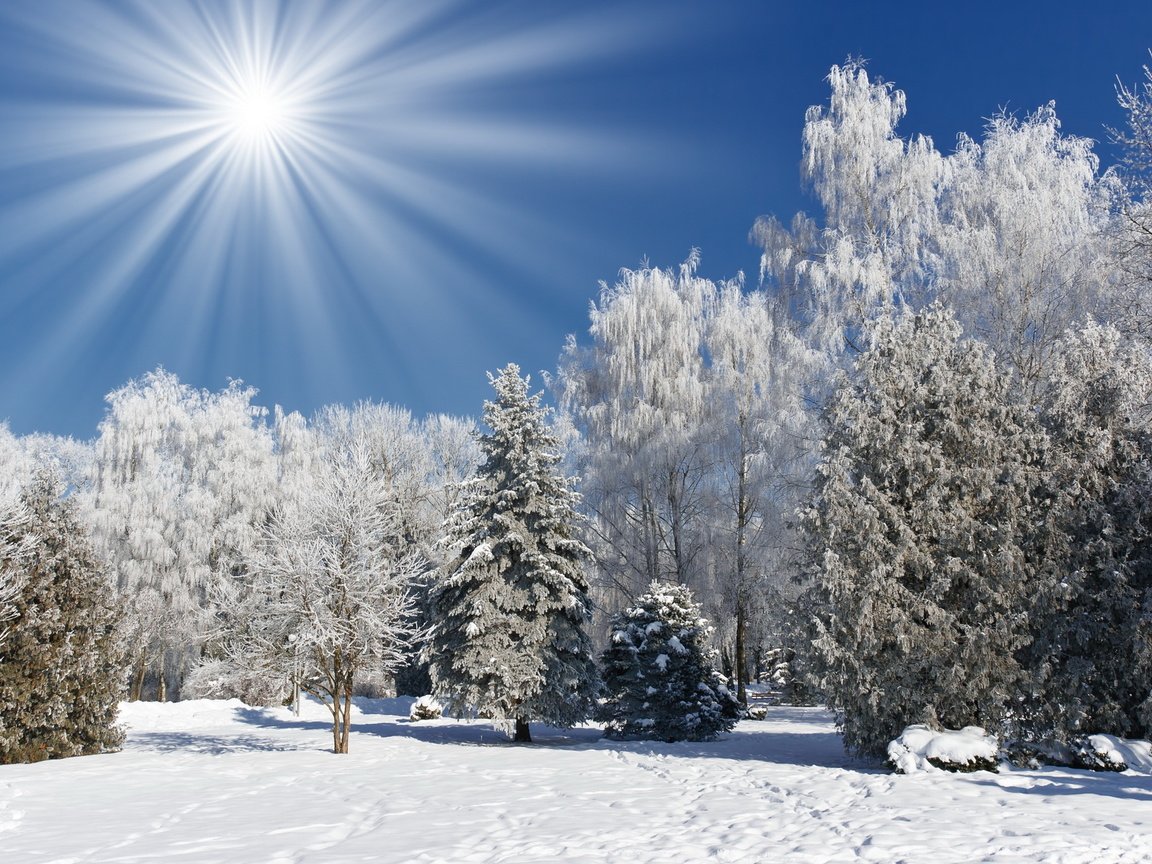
pixel 512 608
pixel 1094 641
pixel 927 531
pixel 658 675
pixel 60 666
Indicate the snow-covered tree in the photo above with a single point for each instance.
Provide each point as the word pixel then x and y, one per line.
pixel 638 395
pixel 327 593
pixel 1011 232
pixel 60 665
pixel 1134 228
pixel 758 432
pixel 927 536
pixel 182 483
pixel 511 608
pixel 1094 641
pixel 659 680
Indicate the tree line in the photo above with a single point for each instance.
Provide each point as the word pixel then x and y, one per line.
pixel 915 454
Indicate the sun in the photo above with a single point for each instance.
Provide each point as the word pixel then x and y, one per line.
pixel 257 114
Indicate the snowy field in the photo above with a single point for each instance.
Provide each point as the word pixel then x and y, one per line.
pixel 217 781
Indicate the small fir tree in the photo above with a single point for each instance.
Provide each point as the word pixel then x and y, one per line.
pixel 512 608
pixel 658 675
pixel 60 665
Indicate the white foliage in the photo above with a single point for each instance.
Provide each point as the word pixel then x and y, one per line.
pixel 328 591
pixel 1012 231
pixel 183 478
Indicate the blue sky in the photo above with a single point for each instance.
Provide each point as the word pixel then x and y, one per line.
pixel 353 200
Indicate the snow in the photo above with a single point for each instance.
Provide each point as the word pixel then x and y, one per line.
pixel 217 781
pixel 918 744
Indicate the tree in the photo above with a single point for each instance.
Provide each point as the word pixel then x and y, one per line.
pixel 1011 232
pixel 658 676
pixel 511 608
pixel 1134 237
pixel 183 480
pixel 1094 640
pixel 638 395
pixel 327 593
pixel 927 531
pixel 60 666
pixel 758 434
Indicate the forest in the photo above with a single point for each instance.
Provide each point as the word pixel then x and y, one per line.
pixel 905 471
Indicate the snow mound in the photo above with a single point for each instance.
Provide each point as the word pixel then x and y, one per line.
pixel 426 708
pixel 920 748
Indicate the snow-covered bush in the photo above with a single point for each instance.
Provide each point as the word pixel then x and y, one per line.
pixel 60 665
pixel 920 748
pixel 658 673
pixel 1090 752
pixel 426 708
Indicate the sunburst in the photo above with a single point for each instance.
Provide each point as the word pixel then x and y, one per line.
pixel 298 182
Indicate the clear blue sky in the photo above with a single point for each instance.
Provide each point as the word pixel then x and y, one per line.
pixel 338 201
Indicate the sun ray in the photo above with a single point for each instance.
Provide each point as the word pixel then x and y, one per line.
pixel 197 159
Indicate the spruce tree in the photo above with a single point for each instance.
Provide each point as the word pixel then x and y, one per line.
pixel 511 608
pixel 927 532
pixel 60 665
pixel 658 675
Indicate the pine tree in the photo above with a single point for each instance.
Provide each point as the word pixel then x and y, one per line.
pixel 60 666
pixel 927 532
pixel 512 608
pixel 658 675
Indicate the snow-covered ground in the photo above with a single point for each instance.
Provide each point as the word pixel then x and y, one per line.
pixel 217 781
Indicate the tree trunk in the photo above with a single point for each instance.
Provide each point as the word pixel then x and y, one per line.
pixel 523 736
pixel 744 512
pixel 137 687
pixel 347 721
pixel 741 659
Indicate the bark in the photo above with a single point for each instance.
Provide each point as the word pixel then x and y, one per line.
pixel 741 659
pixel 523 736
pixel 138 680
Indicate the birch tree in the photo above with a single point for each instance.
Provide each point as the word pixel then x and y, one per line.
pixel 183 478
pixel 638 395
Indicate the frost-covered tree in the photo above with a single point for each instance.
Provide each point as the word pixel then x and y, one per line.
pixel 16 545
pixel 638 395
pixel 183 480
pixel 1134 229
pixel 927 536
pixel 328 591
pixel 1023 252
pixel 511 608
pixel 758 431
pixel 1011 231
pixel 659 680
pixel 60 665
pixel 1094 640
